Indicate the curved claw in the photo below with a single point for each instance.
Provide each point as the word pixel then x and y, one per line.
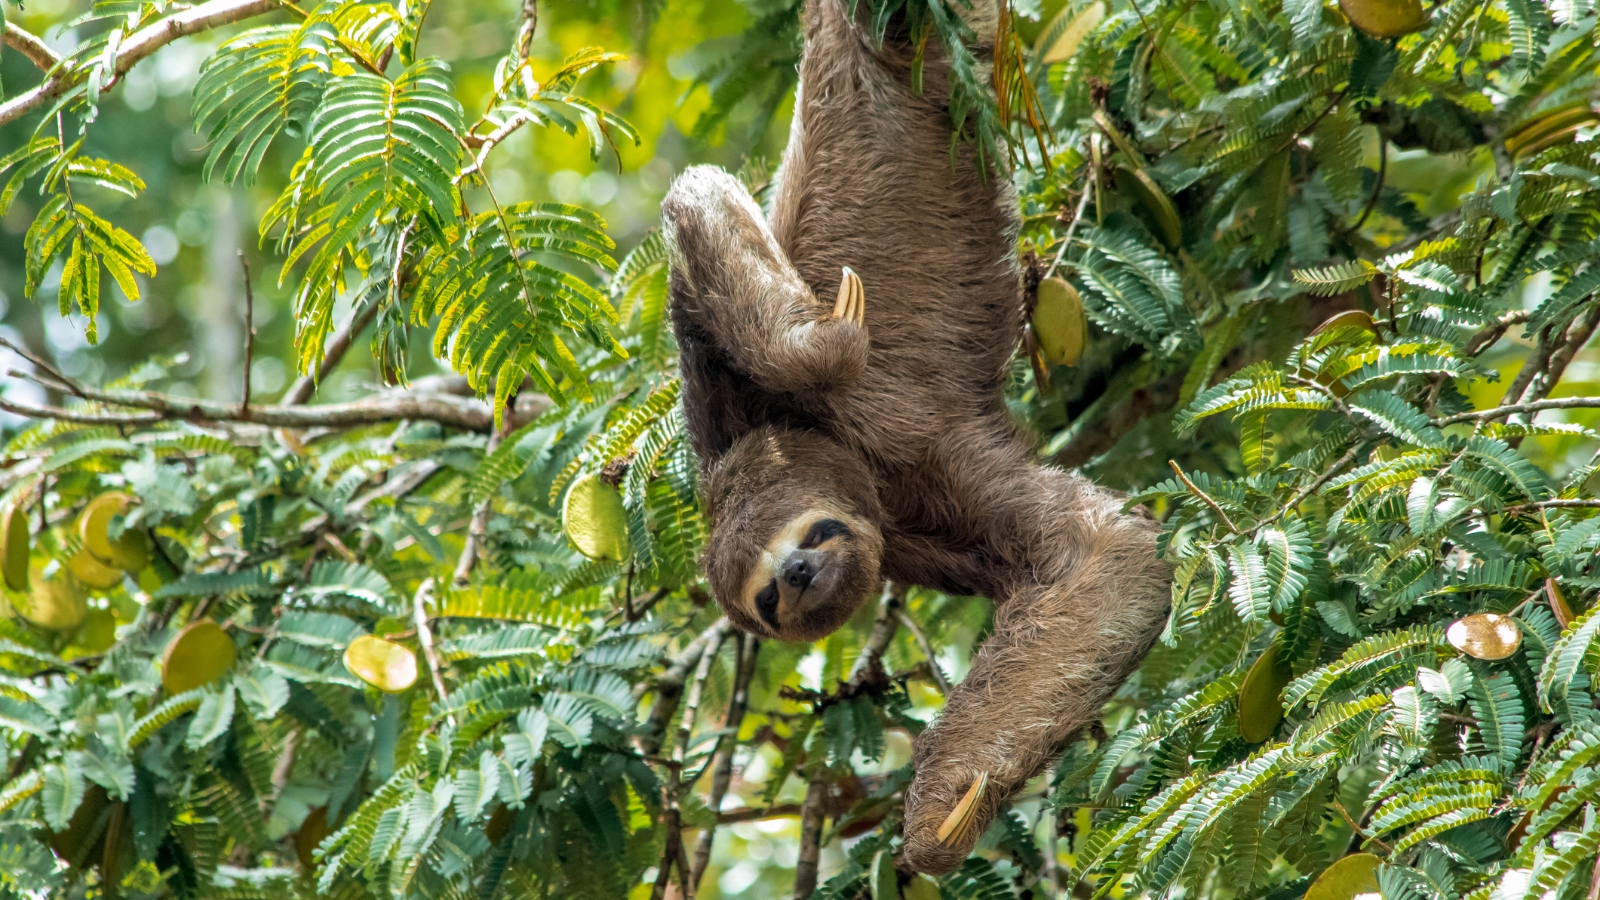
pixel 960 821
pixel 852 302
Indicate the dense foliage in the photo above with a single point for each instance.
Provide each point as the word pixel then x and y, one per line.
pixel 1341 289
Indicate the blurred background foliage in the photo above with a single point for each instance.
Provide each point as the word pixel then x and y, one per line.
pixel 430 626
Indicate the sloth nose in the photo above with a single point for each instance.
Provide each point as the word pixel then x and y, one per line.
pixel 798 573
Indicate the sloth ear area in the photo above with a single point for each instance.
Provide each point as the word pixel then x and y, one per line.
pixel 852 302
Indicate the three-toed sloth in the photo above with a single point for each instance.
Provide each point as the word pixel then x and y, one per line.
pixel 843 366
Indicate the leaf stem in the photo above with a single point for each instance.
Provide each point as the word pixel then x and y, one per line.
pixel 1215 507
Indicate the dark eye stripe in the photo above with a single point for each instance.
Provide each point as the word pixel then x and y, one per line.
pixel 825 530
pixel 767 604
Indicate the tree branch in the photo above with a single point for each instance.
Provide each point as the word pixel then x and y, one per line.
pixel 249 332
pixel 927 651
pixel 1500 411
pixel 29 45
pixel 752 814
pixel 419 613
pixel 673 854
pixel 136 47
pixel 478 530
pixel 869 665
pixel 867 670
pixel 77 418
pixel 812 813
pixel 722 765
pixel 338 345
pixel 1486 338
pixel 467 414
pixel 669 687
pixel 44 366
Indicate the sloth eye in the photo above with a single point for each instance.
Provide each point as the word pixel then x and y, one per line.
pixel 825 530
pixel 767 604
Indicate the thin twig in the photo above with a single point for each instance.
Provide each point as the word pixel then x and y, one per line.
pixel 1514 408
pixel 1377 189
pixel 927 651
pixel 1083 204
pixel 673 854
pixel 755 814
pixel 870 663
pixel 722 764
pixel 812 814
pixel 1313 487
pixel 868 667
pixel 28 411
pixel 338 345
pixel 1573 340
pixel 530 23
pixel 44 366
pixel 1486 338
pixel 1555 504
pixel 669 687
pixel 478 530
pixel 29 45
pixel 419 614
pixel 249 333
pixel 466 414
pixel 136 47
pixel 1355 827
pixel 1203 496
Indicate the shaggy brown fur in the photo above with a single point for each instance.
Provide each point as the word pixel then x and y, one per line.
pixel 836 455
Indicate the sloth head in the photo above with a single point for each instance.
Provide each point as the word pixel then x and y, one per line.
pixel 795 542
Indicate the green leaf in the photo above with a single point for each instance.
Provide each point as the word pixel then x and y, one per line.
pixel 1250 591
pixel 212 718
pixel 1396 417
pixel 108 768
pixel 263 690
pixel 62 792
pixel 1339 279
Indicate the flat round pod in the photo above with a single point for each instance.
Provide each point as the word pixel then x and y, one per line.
pixel 1558 603
pixel 92 572
pixel 595 521
pixel 1385 18
pixel 58 603
pixel 98 633
pixel 1485 635
pixel 312 832
pixel 200 654
pixel 129 551
pixel 385 665
pixel 14 547
pixel 1059 325
pixel 1347 878
pixel 1261 696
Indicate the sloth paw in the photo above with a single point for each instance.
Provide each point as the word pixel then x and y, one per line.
pixel 852 303
pixel 936 843
pixel 956 829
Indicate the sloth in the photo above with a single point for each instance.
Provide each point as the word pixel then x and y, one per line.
pixel 843 365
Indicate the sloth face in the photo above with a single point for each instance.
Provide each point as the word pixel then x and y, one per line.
pixel 809 577
pixel 794 547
